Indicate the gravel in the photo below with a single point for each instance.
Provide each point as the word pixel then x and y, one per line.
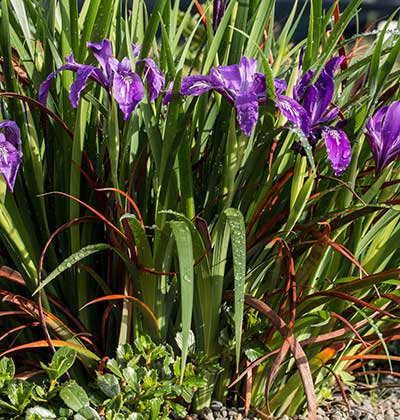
pixel 380 402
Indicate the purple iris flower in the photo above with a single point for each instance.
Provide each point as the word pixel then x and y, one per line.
pixel 316 99
pixel 383 134
pixel 243 86
pixel 10 152
pixel 116 77
pixel 154 76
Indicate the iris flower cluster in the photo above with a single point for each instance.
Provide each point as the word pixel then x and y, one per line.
pixel 310 109
pixel 116 77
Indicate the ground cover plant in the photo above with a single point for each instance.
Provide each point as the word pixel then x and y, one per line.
pixel 199 179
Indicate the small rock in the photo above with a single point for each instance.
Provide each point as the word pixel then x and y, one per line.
pixel 206 414
pixel 216 405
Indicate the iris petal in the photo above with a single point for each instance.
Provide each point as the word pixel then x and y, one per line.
pixel 103 52
pixel 196 85
pixel 383 135
pixel 325 87
pixel 247 70
pixel 154 77
pixel 128 91
pixel 12 133
pixel 338 148
pixel 79 84
pixel 10 152
pixel 280 86
pixel 301 86
pixel 391 124
pixel 227 77
pixel 246 105
pixel 45 86
pixel 294 112
pixel 83 73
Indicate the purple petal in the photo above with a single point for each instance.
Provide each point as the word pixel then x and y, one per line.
pixel 246 105
pixel 338 148
pixel 85 72
pixel 10 152
pixel 79 84
pixel 227 77
pixel 45 86
pixel 168 93
pixel 218 13
pixel 317 100
pixel 123 66
pixel 301 86
pixel 383 134
pixel 330 115
pixel 294 112
pixel 375 139
pixel 247 70
pixel 12 133
pixel 333 64
pixel 136 50
pixel 259 87
pixel 196 85
pixel 155 78
pixel 103 52
pixel 280 86
pixel 128 91
pixel 391 124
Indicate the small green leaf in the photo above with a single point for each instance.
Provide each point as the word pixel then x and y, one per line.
pixel 7 370
pixel 39 413
pixel 109 385
pixel 113 366
pixel 116 403
pixel 19 394
pixel 61 362
pixel 7 407
pixel 131 378
pixel 74 396
pixel 155 408
pixel 135 416
pixel 87 413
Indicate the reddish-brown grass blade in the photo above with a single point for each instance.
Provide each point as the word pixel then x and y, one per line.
pixel 129 198
pixel 131 298
pixel 275 188
pixel 201 12
pixel 341 295
pixel 94 211
pixel 12 275
pixel 347 254
pixel 39 105
pixel 44 343
pixel 295 347
pixel 350 326
pixel 19 328
pixel 371 357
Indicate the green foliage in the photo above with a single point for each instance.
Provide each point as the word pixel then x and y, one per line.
pixel 174 224
pixel 144 381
